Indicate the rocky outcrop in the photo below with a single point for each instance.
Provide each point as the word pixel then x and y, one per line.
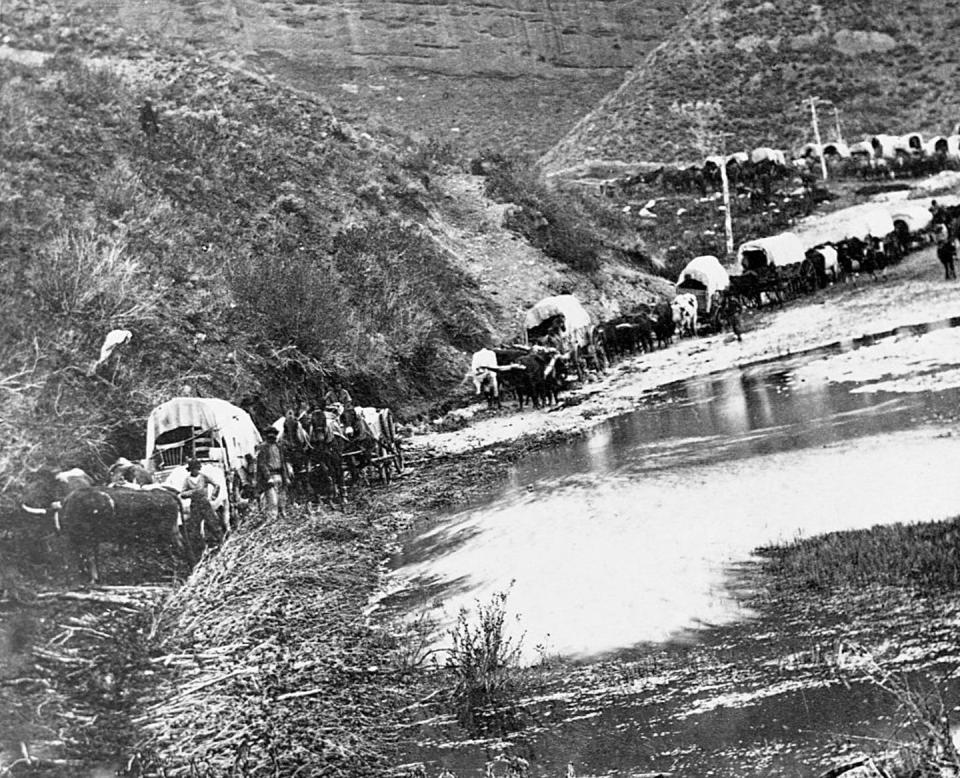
pixel 504 37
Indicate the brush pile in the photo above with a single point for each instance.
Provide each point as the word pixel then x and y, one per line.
pixel 271 666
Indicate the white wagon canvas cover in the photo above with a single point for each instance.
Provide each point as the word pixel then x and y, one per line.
pixel 779 251
pixel 916 217
pixel 229 430
pixel 576 320
pixel 705 270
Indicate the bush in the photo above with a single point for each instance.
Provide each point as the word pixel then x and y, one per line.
pixel 485 663
pixel 89 280
pixel 548 219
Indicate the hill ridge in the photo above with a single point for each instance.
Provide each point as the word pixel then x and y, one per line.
pixel 759 60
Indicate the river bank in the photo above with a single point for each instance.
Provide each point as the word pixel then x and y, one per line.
pixel 905 295
pixel 369 690
pixel 779 678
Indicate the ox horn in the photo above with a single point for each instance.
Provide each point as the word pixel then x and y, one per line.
pixel 33 511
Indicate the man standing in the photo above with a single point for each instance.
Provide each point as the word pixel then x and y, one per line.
pixel 271 474
pixel 338 395
pixel 200 490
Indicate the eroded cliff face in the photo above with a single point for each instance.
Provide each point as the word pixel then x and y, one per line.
pixel 509 74
pixel 485 37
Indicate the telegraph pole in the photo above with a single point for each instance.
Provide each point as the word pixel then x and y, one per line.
pixel 727 215
pixel 816 136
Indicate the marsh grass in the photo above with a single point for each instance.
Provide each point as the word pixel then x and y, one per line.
pixel 926 556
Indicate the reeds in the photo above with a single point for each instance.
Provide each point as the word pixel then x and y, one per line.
pixel 272 669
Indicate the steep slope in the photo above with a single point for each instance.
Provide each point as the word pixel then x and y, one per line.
pixel 886 67
pixel 504 74
pixel 255 247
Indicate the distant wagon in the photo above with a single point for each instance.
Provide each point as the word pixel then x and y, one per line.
pixel 772 265
pixel 221 436
pixel 703 277
pixel 912 224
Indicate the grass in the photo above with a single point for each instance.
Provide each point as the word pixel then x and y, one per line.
pixel 762 88
pixel 923 556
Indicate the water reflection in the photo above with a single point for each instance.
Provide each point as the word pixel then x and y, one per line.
pixel 629 535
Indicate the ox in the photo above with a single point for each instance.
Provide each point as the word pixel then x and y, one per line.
pixel 664 325
pixel 88 515
pixel 543 374
pixel 483 371
pixel 684 309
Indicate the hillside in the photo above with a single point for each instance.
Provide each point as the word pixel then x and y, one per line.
pixel 886 67
pixel 508 74
pixel 256 247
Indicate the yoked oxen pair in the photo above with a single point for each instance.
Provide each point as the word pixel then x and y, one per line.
pixel 544 374
pixel 534 374
pixel 87 515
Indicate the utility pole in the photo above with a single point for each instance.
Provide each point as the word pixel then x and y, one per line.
pixel 816 136
pixel 703 117
pixel 727 214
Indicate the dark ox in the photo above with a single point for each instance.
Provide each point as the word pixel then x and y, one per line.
pixel 87 515
pixel 541 379
pixel 664 326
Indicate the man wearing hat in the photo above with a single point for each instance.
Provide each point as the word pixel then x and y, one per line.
pixel 271 473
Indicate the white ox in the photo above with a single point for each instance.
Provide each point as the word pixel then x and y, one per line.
pixel 684 308
pixel 483 371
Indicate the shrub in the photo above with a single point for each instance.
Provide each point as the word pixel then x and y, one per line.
pixel 922 714
pixel 90 280
pixel 548 219
pixel 484 661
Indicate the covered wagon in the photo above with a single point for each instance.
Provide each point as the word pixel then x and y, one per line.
pixel 771 265
pixel 220 435
pixel 912 224
pixel 703 277
pixel 872 221
pixel 943 146
pixel 565 317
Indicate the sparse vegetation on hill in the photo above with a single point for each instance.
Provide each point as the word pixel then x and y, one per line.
pixel 887 68
pixel 256 246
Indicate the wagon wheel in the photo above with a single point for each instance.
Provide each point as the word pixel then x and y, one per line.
pixel 807 279
pixel 384 464
pixel 398 457
pixel 603 364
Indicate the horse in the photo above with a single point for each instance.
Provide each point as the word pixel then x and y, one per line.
pixel 326 441
pixel 363 445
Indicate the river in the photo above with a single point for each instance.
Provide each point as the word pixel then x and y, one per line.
pixel 631 538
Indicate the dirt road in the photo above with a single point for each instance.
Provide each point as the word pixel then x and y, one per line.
pixel 909 293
